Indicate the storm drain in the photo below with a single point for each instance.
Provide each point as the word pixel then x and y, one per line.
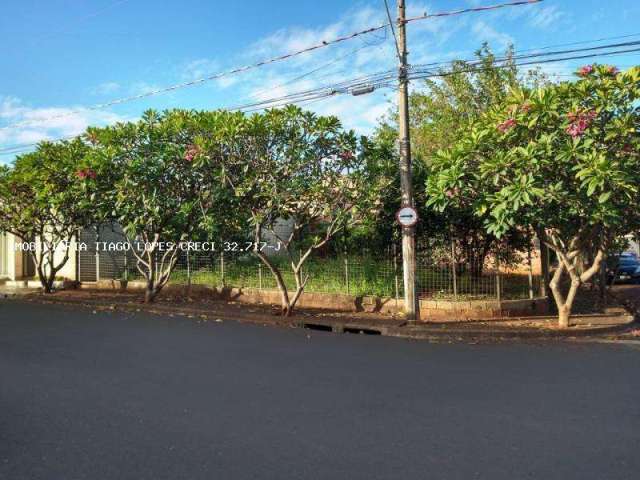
pixel 362 331
pixel 321 327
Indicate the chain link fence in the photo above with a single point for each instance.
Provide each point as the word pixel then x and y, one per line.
pixel 445 269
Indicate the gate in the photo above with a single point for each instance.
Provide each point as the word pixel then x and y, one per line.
pixel 97 263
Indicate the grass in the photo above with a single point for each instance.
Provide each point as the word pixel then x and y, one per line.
pixel 356 276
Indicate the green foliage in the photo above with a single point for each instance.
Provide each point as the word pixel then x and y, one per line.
pixel 294 167
pixel 444 109
pixel 47 196
pixel 441 114
pixel 152 185
pixel 564 157
pixel 562 160
pixel 155 186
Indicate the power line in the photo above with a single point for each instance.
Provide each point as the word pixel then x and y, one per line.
pixel 472 10
pixel 580 42
pixel 253 66
pixel 393 30
pixel 201 80
pixel 315 70
pixel 84 19
pixel 419 69
pixel 537 51
pixel 386 79
pixel 512 60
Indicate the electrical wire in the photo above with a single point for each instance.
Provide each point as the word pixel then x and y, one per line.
pixel 315 70
pixel 472 10
pixel 83 19
pixel 253 66
pixel 393 30
pixel 201 80
pixel 386 79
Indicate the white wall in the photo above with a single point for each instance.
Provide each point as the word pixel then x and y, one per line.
pixel 15 258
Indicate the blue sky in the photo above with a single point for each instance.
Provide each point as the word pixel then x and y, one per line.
pixel 60 56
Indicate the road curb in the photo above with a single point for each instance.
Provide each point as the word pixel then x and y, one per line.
pixel 391 328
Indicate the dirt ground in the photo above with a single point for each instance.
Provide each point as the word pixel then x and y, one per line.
pixel 629 293
pixel 210 309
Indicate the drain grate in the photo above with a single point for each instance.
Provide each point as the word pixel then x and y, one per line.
pixel 362 331
pixel 318 327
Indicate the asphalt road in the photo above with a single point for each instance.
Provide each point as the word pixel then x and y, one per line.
pixel 118 396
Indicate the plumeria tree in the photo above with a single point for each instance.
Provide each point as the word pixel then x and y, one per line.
pixel 561 160
pixel 155 189
pixel 293 167
pixel 442 112
pixel 46 197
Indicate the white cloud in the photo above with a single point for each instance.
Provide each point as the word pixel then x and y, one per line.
pixel 105 88
pixel 433 40
pixel 199 68
pixel 142 88
pixel 34 124
pixel 556 71
pixel 486 33
pixel 545 17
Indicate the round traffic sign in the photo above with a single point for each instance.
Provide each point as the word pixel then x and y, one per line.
pixel 407 216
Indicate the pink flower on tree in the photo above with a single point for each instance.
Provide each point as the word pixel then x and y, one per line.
pixel 613 70
pixel 580 121
pixel 86 173
pixel 346 155
pixel 586 70
pixel 507 125
pixel 453 192
pixel 191 153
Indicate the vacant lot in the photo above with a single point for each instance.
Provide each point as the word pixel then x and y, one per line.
pixel 121 396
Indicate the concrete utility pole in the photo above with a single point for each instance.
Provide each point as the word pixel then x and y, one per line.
pixel 408 233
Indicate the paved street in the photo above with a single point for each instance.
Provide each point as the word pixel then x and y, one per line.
pixel 117 396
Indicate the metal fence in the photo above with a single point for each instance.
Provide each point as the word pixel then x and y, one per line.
pixel 444 271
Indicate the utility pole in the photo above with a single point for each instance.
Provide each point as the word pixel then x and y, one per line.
pixel 406 188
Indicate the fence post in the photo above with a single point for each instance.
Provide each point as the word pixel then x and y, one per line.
pixel 222 268
pixel 260 276
pixel 188 271
pixel 395 271
pixel 530 272
pixel 155 259
pixel 544 262
pixel 454 270
pixel 97 255
pixel 126 266
pixel 498 279
pixel 346 272
pixel 78 253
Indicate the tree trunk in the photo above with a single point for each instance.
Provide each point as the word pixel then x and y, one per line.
pixel 150 292
pixel 569 260
pixel 564 313
pixel 50 280
pixel 300 284
pixel 45 281
pixel 286 307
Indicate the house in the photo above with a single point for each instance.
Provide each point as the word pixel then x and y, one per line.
pixel 16 264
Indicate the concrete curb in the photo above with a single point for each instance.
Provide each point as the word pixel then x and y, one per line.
pixel 392 328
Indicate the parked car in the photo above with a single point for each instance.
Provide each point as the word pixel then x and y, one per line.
pixel 624 267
